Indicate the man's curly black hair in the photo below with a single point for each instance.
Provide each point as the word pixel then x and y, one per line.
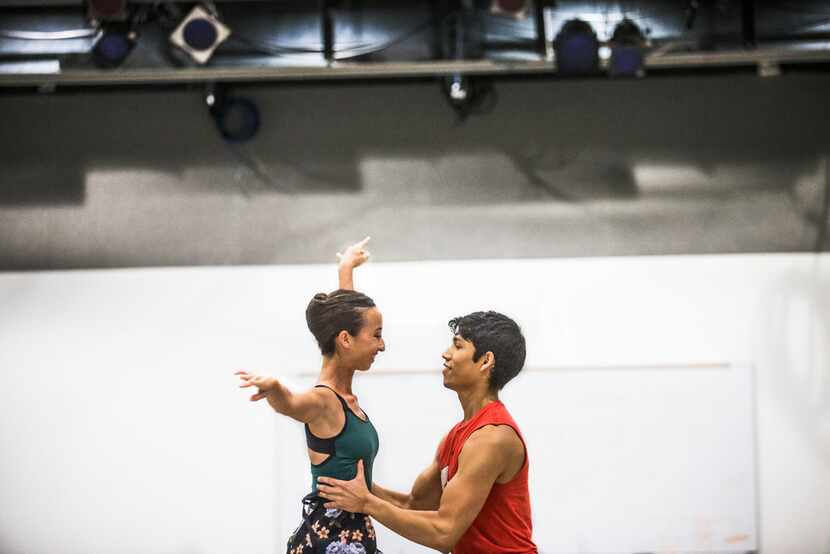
pixel 494 332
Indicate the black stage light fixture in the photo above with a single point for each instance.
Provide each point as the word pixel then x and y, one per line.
pixel 510 8
pixel 577 48
pixel 199 34
pixel 237 119
pixel 114 44
pixel 627 47
pixel 107 10
pixel 469 95
pixel 458 89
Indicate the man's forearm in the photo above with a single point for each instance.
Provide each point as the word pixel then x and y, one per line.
pixel 395 498
pixel 424 527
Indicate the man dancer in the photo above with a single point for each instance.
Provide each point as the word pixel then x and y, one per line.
pixel 474 497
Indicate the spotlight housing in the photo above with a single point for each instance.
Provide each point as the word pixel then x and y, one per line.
pixel 458 89
pixel 199 34
pixel 469 95
pixel 577 48
pixel 627 45
pixel 113 46
pixel 237 119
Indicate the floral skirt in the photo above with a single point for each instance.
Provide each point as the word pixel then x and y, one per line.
pixel 330 531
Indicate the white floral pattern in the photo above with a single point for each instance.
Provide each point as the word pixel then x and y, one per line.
pixel 333 513
pixel 332 531
pixel 346 548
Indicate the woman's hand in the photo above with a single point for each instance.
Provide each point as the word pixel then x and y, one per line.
pixel 264 383
pixel 354 256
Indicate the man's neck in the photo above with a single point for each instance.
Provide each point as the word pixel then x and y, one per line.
pixel 472 401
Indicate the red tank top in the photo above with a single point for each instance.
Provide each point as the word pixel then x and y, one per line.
pixel 503 526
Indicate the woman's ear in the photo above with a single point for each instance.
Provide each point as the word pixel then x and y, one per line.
pixel 344 339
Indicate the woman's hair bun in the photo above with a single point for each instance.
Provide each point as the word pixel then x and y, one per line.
pixel 328 314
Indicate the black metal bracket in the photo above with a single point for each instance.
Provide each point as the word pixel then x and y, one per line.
pixel 541 35
pixel 748 22
pixel 327 28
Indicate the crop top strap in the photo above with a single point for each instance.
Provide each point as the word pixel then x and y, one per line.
pixel 340 398
pixel 327 446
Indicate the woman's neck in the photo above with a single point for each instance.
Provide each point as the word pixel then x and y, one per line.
pixel 334 375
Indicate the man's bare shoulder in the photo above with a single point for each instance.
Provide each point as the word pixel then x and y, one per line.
pixel 500 438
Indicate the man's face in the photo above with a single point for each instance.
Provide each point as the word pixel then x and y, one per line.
pixel 460 371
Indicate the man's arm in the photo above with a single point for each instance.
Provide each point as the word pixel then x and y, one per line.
pixel 485 456
pixel 425 493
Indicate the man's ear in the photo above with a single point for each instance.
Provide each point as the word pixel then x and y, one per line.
pixel 488 361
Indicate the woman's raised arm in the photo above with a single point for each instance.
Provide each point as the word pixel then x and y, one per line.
pixel 352 257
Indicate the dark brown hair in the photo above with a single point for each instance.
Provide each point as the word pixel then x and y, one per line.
pixel 341 310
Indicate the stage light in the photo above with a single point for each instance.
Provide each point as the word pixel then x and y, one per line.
pixel 577 48
pixel 113 46
pixel 510 8
pixel 469 96
pixel 458 89
pixel 627 45
pixel 237 119
pixel 107 10
pixel 199 34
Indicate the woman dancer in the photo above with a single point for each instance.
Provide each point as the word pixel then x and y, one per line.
pixel 348 328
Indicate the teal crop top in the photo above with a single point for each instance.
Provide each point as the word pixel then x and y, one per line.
pixel 357 440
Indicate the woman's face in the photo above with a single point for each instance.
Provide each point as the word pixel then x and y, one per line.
pixel 369 340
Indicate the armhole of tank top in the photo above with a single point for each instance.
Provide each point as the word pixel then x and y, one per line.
pixel 342 430
pixel 524 448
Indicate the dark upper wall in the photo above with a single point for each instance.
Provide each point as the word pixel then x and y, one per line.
pixel 669 165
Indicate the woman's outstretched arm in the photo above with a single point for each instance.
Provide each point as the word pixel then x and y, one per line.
pixel 304 407
pixel 352 257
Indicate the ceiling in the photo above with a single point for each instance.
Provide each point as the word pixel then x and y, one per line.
pixel 47 43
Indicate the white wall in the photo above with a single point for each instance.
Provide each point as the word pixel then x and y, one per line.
pixel 588 167
pixel 122 430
